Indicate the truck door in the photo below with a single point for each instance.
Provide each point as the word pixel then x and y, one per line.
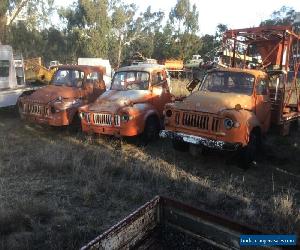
pixel 95 85
pixel 263 103
pixel 160 90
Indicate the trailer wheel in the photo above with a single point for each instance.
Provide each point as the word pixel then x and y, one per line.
pixel 180 145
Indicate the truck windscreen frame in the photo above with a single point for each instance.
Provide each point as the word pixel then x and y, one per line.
pixel 131 80
pixel 228 82
pixel 68 77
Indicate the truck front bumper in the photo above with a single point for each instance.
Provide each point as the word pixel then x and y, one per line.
pixel 201 141
pixel 127 131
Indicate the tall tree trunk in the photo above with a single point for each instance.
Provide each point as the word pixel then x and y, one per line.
pixel 2 30
pixel 119 52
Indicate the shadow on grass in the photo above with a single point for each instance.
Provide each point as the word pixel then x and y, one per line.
pixel 91 183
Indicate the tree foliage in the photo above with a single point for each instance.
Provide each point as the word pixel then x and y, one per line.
pixel 111 29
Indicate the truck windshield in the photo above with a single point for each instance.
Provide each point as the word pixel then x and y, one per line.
pixel 4 68
pixel 68 77
pixel 129 80
pixel 228 82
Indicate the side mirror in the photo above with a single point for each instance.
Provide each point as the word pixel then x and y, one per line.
pixel 192 84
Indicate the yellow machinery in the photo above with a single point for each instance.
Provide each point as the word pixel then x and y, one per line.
pixel 35 71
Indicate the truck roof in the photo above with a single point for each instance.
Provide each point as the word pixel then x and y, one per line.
pixel 85 68
pixel 142 67
pixel 253 72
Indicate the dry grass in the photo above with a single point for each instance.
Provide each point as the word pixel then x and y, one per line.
pixel 58 190
pixel 178 87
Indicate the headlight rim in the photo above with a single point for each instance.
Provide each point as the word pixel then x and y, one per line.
pixel 229 125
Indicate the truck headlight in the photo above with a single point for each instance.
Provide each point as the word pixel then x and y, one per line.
pixel 126 117
pixel 85 116
pixel 228 123
pixel 81 115
pixel 53 110
pixel 169 113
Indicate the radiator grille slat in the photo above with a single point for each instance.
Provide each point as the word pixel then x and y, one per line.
pixel 200 121
pixel 36 109
pixel 102 119
pixel 195 120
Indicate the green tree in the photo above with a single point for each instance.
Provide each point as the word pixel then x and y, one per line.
pixel 125 29
pixel 35 14
pixel 207 49
pixel 149 25
pixel 184 18
pixel 89 23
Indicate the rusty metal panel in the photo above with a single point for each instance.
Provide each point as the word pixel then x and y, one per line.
pixel 128 232
pixel 163 223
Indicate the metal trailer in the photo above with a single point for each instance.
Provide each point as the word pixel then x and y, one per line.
pixel 163 223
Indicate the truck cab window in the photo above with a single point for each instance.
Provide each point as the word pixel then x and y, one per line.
pixel 158 77
pixel 70 78
pixel 261 87
pixel 93 77
pixel 228 82
pixel 131 80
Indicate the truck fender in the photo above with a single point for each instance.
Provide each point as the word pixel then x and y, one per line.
pixel 145 110
pixel 252 123
pixel 27 92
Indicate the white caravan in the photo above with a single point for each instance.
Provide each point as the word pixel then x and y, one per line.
pixel 99 62
pixel 12 78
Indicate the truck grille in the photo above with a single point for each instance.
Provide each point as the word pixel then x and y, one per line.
pixel 103 119
pixel 117 120
pixel 36 109
pixel 197 121
pixel 215 127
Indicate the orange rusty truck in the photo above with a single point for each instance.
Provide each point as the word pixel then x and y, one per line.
pixel 71 87
pixel 133 105
pixel 234 106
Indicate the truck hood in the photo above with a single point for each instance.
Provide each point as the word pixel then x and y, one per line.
pixel 214 102
pixel 52 92
pixel 113 100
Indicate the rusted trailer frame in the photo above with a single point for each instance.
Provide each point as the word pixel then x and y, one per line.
pixel 163 223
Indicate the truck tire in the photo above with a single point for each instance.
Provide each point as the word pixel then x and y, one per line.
pixel 180 145
pixel 249 152
pixel 151 130
pixel 75 126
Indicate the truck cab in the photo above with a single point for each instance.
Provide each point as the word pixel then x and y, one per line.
pixel 133 105
pixel 257 86
pixel 71 87
pixel 229 110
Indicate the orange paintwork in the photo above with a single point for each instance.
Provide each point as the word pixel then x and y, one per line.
pixel 137 105
pixel 218 106
pixel 57 105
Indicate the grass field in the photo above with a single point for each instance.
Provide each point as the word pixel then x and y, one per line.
pixel 60 189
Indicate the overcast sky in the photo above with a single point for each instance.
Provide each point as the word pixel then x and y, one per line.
pixel 234 13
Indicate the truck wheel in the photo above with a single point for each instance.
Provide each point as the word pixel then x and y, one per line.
pixel 180 145
pixel 151 130
pixel 75 126
pixel 249 153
